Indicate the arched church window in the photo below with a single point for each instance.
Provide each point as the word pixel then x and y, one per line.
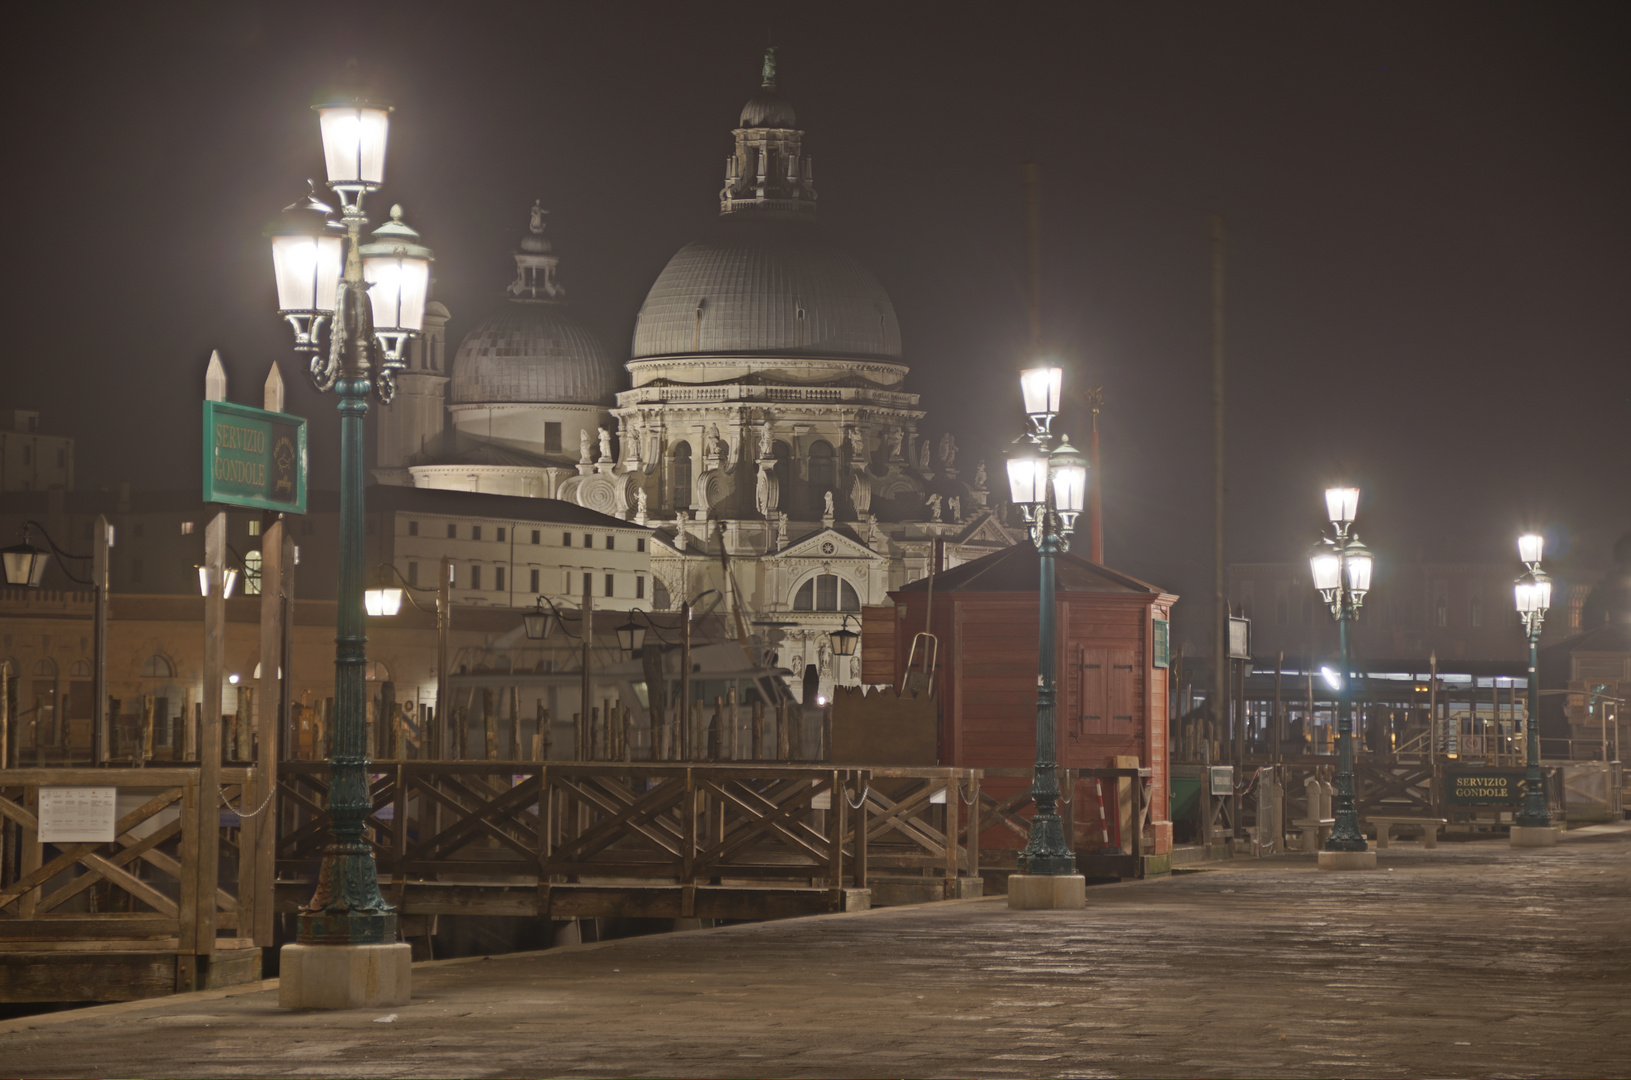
pixel 821 474
pixel 80 669
pixel 826 592
pixel 157 667
pixel 45 669
pixel 680 494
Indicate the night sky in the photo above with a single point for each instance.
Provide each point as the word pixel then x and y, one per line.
pixel 1426 203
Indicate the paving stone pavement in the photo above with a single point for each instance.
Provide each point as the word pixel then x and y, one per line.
pixel 1469 960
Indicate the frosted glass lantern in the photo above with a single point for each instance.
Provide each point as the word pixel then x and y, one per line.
pixel 1041 388
pixel 354 135
pixel 397 269
pixel 1342 504
pixel 1069 470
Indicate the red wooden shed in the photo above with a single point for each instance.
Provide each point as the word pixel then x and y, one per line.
pixel 1112 668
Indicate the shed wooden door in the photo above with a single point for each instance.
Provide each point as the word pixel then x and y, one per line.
pixel 1104 699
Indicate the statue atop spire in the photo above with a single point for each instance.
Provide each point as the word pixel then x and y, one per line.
pixel 768 79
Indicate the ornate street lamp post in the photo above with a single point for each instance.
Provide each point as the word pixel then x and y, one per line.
pixel 1533 595
pixel 1341 568
pixel 370 305
pixel 1047 479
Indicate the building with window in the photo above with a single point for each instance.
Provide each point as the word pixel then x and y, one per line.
pixel 506 550
pixel 30 461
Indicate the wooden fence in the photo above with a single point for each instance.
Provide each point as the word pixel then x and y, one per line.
pixel 169 905
pixel 568 839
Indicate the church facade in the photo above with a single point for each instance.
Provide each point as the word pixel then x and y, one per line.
pixel 761 425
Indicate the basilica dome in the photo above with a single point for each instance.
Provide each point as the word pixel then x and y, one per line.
pixel 766 288
pixel 533 352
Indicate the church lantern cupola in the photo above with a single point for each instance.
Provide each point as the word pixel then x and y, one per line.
pixel 769 175
pixel 536 263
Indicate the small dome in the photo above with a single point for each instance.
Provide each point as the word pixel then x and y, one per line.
pixel 528 352
pixel 766 288
pixel 768 108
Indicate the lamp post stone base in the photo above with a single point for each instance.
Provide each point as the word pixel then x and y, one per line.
pixel 1534 836
pixel 1065 892
pixel 344 976
pixel 1347 860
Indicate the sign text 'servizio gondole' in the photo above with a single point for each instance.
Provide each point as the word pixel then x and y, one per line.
pixel 254 458
pixel 1483 787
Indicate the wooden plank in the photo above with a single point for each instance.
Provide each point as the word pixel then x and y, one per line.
pixel 88 927
pixel 95 977
pixel 187 896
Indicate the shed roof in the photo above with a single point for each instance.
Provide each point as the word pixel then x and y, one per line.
pixel 1016 569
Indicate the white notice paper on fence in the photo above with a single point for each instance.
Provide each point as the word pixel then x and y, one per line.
pixel 77 815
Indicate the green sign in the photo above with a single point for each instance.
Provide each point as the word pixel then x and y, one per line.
pixel 254 458
pixel 1483 787
pixel 1163 643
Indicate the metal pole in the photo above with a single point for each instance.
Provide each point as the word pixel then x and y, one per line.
pixel 1534 814
pixel 444 616
pixel 1220 612
pixel 1046 850
pixel 1345 834
pixel 347 908
pixel 99 640
pixel 685 681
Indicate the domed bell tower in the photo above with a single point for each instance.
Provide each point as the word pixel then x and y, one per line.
pixel 411 427
pixel 769 175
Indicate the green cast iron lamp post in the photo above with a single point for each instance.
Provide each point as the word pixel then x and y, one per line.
pixel 1047 479
pixel 1533 594
pixel 370 298
pixel 1341 568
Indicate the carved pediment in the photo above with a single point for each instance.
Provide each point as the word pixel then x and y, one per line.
pixel 988 534
pixel 826 545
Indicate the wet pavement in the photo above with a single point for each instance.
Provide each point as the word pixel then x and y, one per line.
pixel 1469 960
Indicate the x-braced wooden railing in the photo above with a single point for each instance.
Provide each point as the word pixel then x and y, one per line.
pixel 566 829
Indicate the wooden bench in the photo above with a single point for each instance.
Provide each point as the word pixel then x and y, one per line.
pixel 1429 828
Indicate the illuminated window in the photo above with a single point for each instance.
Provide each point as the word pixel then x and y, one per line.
pixel 187 528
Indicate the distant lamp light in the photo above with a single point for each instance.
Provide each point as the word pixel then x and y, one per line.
pixel 231 580
pixel 631 637
pixel 821 701
pixel 1530 545
pixel 1342 505
pixel 1332 678
pixel 1041 388
pixel 233 678
pixel 25 564
pixel 382 601
pixel 844 639
pixel 538 623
